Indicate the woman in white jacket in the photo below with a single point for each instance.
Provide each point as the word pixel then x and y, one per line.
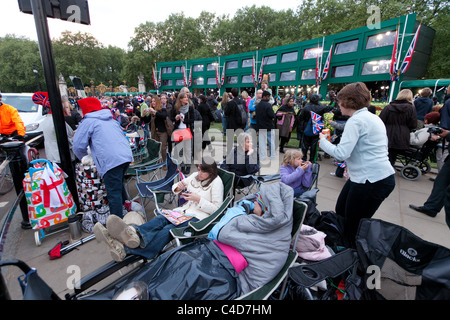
pixel 203 191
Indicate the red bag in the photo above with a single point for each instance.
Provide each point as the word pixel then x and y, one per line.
pixel 182 134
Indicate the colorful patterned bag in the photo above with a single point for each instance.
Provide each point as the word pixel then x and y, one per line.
pixel 48 197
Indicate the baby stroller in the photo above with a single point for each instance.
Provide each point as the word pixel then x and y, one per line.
pixel 414 161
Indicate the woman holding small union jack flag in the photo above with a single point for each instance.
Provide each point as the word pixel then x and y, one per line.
pixel 364 147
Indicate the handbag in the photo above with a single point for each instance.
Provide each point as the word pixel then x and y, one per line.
pixel 182 134
pixel 48 197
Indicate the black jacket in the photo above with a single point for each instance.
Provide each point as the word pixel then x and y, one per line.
pixel 231 112
pixel 399 117
pixel 189 118
pixel 423 106
pixel 264 115
pixel 207 116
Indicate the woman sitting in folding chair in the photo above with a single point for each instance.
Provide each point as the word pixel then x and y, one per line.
pixel 295 172
pixel 243 252
pixel 242 161
pixel 203 191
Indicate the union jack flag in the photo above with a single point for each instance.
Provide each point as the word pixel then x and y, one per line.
pixel 393 69
pixel 190 77
pixel 341 164
pixel 217 76
pixel 159 78
pixel 316 122
pixel 260 75
pixel 41 98
pixel 326 68
pixel 254 72
pixel 154 79
pixel 407 61
pixel 184 76
pixel 222 81
pixel 318 78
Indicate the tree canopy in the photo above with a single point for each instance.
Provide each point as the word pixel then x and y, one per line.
pixel 180 37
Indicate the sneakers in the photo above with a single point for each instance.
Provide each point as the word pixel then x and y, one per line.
pixel 119 230
pixel 116 249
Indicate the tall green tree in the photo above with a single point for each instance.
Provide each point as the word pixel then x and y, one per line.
pixel 18 55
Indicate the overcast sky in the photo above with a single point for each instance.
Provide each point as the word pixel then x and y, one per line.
pixel 113 21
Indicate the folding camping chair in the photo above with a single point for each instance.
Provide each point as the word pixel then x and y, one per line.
pixel 256 181
pixel 148 165
pixel 264 292
pixel 315 176
pixel 201 228
pixel 158 189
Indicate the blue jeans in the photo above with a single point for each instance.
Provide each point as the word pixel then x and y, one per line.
pixel 115 190
pixel 269 136
pixel 146 132
pixel 154 235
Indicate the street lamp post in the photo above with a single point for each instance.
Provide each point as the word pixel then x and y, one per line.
pixel 37 77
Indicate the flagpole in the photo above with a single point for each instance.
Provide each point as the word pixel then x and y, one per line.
pixel 391 93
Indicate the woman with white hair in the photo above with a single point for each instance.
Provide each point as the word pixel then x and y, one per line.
pixel 400 119
pixel 242 160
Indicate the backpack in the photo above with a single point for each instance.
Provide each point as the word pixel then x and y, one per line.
pixel 241 114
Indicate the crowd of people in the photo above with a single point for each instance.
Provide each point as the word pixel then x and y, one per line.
pixel 366 143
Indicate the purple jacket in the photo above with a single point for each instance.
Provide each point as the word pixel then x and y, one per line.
pixel 296 177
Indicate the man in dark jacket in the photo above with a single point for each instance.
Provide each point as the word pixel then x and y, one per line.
pixel 423 106
pixel 440 194
pixel 445 112
pixel 232 112
pixel 265 124
pixel 307 141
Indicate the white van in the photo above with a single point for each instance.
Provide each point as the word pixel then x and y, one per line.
pixel 31 114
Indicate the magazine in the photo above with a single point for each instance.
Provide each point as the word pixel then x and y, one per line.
pixel 175 217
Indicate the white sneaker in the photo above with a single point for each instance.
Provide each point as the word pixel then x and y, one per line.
pixel 116 249
pixel 332 174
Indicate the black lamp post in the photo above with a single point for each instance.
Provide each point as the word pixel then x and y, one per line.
pixel 37 77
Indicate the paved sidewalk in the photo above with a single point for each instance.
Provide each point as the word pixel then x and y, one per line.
pixel 59 274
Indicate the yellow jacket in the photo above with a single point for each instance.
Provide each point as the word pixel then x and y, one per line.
pixel 10 120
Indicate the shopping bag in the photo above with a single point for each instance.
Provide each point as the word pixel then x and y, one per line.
pixel 48 197
pixel 182 134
